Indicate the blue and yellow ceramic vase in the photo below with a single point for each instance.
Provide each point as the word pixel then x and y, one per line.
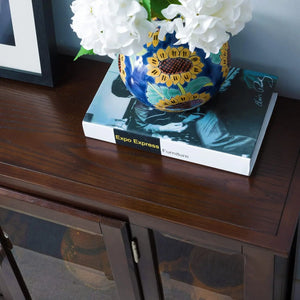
pixel 170 77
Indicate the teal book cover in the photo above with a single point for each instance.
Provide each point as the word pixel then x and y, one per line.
pixel 225 133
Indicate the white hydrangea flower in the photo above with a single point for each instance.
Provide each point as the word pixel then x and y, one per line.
pixel 110 27
pixel 84 22
pixel 205 24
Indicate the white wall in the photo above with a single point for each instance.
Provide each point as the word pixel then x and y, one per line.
pixel 269 43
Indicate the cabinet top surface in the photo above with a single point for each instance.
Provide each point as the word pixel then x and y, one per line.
pixel 45 153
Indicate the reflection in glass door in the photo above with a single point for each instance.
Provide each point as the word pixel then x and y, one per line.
pixel 189 272
pixel 58 262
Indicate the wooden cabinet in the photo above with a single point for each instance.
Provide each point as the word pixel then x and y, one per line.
pixel 162 228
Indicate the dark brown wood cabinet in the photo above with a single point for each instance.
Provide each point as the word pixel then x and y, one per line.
pixel 118 223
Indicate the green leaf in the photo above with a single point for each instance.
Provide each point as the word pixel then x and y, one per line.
pixel 155 93
pixel 215 58
pixel 147 5
pixel 158 5
pixel 83 51
pixel 171 93
pixel 141 53
pixel 197 84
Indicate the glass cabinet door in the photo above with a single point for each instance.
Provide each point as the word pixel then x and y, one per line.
pixel 59 262
pixel 190 272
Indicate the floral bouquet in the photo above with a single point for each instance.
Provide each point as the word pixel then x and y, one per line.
pixel 111 27
pixel 173 54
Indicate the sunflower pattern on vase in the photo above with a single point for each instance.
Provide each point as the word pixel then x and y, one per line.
pixel 170 77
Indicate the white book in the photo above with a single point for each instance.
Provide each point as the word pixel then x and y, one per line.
pixel 225 133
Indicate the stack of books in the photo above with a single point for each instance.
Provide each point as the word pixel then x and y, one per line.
pixel 225 133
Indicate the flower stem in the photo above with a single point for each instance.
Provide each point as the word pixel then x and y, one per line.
pixel 157 91
pixel 182 90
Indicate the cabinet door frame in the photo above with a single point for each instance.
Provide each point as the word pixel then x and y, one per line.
pixel 147 262
pixel 265 274
pixel 12 284
pixel 115 233
pixel 117 241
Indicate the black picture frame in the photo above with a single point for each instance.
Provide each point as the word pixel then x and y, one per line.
pixel 45 38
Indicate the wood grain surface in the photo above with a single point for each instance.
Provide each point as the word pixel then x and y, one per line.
pixel 44 152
